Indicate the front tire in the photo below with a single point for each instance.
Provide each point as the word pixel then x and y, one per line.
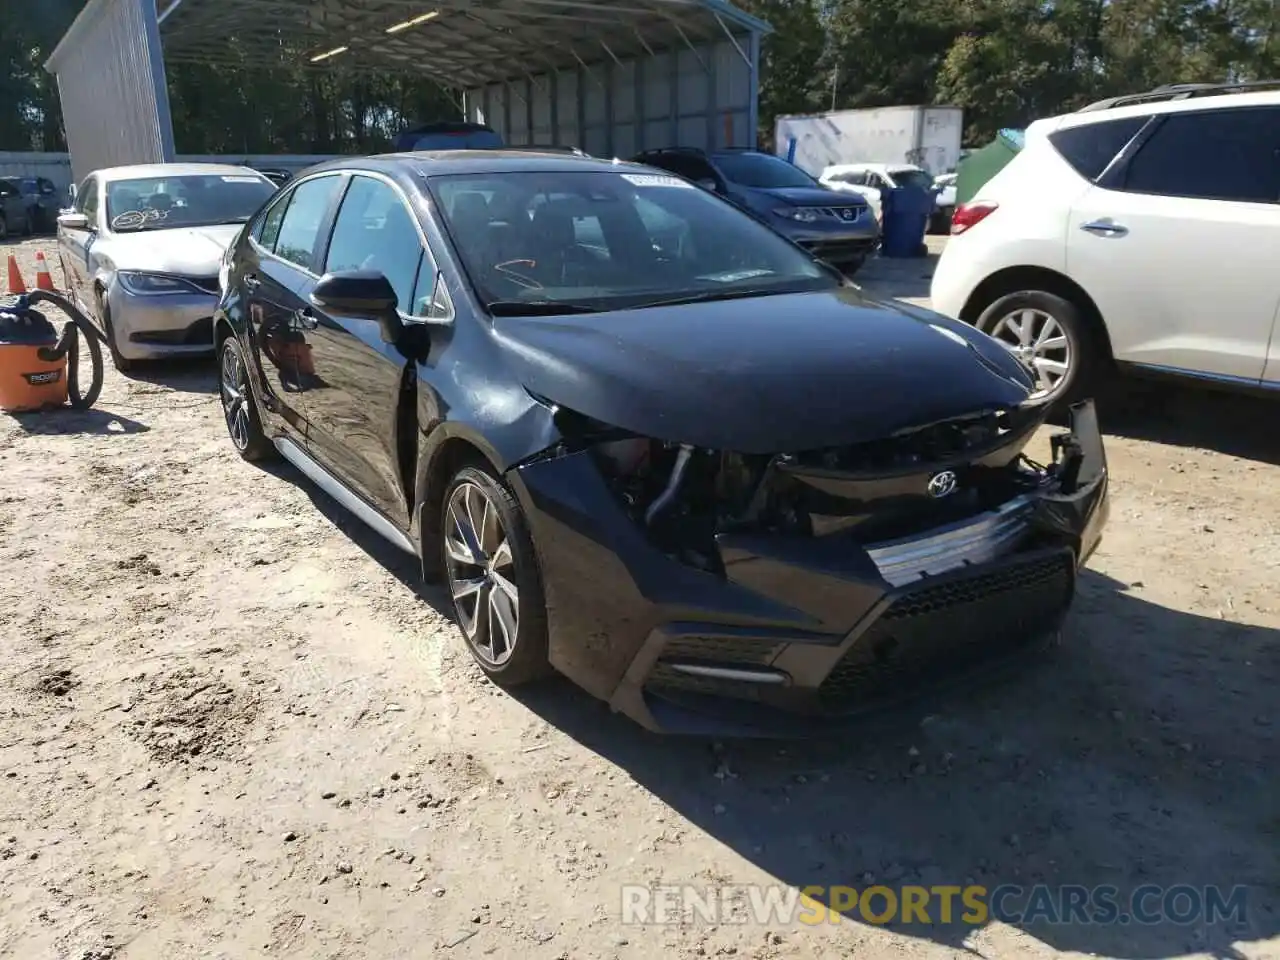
pixel 491 569
pixel 238 408
pixel 1052 336
pixel 122 363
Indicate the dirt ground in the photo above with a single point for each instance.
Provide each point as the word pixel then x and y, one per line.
pixel 234 726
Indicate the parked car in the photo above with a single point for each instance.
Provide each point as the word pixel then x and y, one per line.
pixel 277 175
pixel 140 250
pixel 944 202
pixel 40 197
pixel 450 135
pixel 15 216
pixel 839 229
pixel 1141 232
pixel 869 180
pixel 714 483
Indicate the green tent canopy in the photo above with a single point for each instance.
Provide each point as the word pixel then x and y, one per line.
pixel 983 164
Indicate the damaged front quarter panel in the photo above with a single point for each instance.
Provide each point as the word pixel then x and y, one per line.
pixel 1074 506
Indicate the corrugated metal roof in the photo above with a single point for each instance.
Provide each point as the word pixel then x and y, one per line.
pixel 460 43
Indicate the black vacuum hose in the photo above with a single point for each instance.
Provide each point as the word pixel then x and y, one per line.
pixel 69 346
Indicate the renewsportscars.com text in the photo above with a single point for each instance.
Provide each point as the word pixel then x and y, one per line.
pixel 975 905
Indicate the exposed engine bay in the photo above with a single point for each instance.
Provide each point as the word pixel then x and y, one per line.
pixel 684 496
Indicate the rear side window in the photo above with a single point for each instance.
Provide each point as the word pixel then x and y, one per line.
pixel 1089 147
pixel 267 228
pixel 1220 155
pixel 301 224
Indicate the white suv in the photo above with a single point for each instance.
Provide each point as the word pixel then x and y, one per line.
pixel 1143 230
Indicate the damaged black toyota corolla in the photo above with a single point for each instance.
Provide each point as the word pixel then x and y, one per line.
pixel 649 443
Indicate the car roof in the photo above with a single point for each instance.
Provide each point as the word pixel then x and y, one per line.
pixel 1224 101
pixel 159 170
pixel 433 163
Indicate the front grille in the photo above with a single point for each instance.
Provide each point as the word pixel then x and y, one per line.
pixel 937 630
pixel 199 334
pixel 845 214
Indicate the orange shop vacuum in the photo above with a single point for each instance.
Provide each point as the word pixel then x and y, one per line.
pixel 40 367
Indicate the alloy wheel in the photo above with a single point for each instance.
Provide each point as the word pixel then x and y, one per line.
pixel 235 404
pixel 482 576
pixel 1037 339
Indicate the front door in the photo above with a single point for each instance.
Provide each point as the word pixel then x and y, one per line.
pixel 354 418
pixel 74 245
pixel 1180 253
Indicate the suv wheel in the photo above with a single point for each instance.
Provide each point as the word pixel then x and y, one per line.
pixel 1048 334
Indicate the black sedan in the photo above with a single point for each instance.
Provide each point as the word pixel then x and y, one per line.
pixel 648 442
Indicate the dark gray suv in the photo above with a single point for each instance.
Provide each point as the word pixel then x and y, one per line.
pixel 838 227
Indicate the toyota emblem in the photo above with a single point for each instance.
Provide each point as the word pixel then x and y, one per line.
pixel 942 484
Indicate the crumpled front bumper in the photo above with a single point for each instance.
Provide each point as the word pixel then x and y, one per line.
pixel 801 633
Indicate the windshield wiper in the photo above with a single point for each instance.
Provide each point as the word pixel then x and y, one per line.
pixel 537 308
pixel 708 296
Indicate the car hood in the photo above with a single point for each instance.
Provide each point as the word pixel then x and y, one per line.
pixel 765 374
pixel 807 196
pixel 188 251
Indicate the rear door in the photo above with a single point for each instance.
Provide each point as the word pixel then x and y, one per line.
pixel 1178 244
pixel 353 412
pixel 277 274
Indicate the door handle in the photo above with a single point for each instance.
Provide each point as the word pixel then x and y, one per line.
pixel 251 281
pixel 305 319
pixel 1104 228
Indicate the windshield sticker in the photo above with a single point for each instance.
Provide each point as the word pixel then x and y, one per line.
pixel 737 276
pixel 656 180
pixel 241 179
pixel 132 219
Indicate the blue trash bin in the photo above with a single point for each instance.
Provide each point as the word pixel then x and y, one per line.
pixel 906 212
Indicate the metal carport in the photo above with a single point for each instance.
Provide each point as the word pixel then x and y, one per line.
pixel 610 76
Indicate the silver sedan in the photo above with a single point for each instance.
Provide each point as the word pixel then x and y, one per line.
pixel 141 248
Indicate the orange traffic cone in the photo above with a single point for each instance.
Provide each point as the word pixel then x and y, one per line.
pixel 44 280
pixel 16 284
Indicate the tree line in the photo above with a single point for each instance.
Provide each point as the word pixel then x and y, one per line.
pixel 1006 62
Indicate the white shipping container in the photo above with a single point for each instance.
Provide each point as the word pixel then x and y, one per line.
pixel 928 137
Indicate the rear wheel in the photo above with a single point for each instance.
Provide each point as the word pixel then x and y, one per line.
pixel 238 409
pixel 4 227
pixel 492 572
pixel 1051 336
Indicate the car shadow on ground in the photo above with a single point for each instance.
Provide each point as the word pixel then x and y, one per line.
pixel 395 561
pixel 186 374
pixel 906 278
pixel 1142 752
pixel 1189 415
pixel 66 421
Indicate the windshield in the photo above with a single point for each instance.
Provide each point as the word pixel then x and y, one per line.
pixel 913 178
pixel 603 240
pixel 762 171
pixel 202 200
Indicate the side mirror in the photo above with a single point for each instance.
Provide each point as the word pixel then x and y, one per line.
pixel 706 183
pixel 73 220
pixel 365 294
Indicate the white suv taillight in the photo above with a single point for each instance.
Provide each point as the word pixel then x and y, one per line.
pixel 967 215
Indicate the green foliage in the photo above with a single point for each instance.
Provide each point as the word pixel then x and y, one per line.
pixel 1007 62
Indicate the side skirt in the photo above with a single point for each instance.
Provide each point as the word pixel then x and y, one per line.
pixel 334 488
